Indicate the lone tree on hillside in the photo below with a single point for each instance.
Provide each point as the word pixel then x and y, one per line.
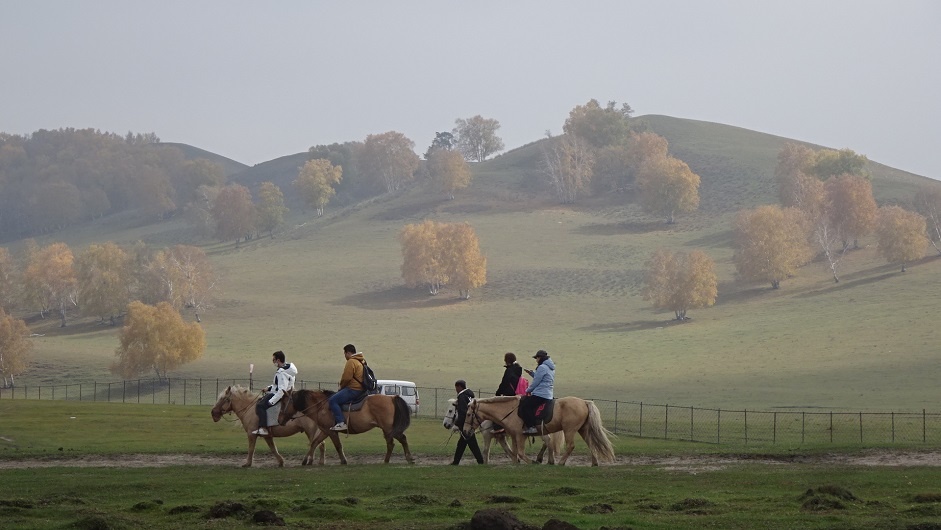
pixel 271 208
pixel 901 235
pixel 681 282
pixel 667 186
pixel 477 137
pixel 771 244
pixel 853 209
pixel 448 171
pixel 156 338
pixel 316 183
pixel 435 254
pixel 390 159
pixel 15 347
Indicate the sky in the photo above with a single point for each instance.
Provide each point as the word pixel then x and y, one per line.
pixel 254 81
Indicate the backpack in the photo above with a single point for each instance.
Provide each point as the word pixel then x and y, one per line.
pixel 369 382
pixel 521 386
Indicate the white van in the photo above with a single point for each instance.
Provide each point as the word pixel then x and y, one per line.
pixel 406 389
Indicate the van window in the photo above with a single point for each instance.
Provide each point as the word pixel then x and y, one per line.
pixel 389 390
pixel 407 391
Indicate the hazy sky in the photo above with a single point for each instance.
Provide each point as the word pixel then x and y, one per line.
pixel 257 80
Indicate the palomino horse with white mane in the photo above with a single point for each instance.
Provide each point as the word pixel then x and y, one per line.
pixel 571 415
pixel 550 442
pixel 390 413
pixel 241 402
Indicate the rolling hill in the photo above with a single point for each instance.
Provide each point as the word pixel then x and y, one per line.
pixel 562 278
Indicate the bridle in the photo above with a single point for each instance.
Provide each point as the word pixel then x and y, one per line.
pixel 475 405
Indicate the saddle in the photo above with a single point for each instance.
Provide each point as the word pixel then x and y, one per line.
pixel 353 406
pixel 272 415
pixel 542 414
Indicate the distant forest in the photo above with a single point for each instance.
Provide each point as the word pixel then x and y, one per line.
pixel 51 179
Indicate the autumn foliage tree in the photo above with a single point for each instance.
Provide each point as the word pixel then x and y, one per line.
pixel 680 282
pixel 234 213
pixel 181 276
pixel 15 347
pixel 599 126
pixel 8 280
pixel 448 171
pixel 390 159
pixel 853 208
pixel 316 183
pixel 772 243
pixel 104 279
pixel 435 254
pixel 928 203
pixel 476 138
pixel 156 338
pixel 667 186
pixel 270 208
pixel 50 279
pixel 901 235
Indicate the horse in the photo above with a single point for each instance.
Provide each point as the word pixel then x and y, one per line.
pixel 550 442
pixel 241 402
pixel 389 413
pixel 571 415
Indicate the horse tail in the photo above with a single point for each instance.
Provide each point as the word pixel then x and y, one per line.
pixel 597 437
pixel 402 418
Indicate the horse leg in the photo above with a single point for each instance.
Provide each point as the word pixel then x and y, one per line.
pixel 311 447
pixel 569 446
pixel 519 449
pixel 335 438
pixel 506 449
pixel 408 453
pixel 390 443
pixel 251 450
pixel 488 437
pixel 584 434
pixel 274 450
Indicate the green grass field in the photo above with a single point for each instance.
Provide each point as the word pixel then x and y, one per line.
pixel 122 466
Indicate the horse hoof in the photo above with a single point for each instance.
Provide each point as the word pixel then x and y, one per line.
pixel 246 465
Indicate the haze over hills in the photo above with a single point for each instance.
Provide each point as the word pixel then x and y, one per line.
pixel 563 278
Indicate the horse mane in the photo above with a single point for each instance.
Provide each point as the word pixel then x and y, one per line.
pixel 235 389
pixel 497 399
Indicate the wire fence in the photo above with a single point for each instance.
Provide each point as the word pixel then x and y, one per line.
pixel 631 418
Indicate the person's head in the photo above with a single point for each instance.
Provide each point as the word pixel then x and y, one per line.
pixel 278 358
pixel 509 358
pixel 541 356
pixel 349 350
pixel 460 385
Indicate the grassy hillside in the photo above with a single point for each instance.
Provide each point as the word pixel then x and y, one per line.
pixel 566 279
pixel 229 166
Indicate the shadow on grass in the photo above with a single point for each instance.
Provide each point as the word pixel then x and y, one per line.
pixel 615 229
pixel 844 285
pixel 729 293
pixel 622 327
pixel 399 297
pixel 724 239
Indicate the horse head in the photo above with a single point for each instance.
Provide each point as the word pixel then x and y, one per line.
pixel 223 406
pixel 288 408
pixel 472 419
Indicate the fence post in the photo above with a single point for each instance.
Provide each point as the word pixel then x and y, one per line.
pixel 200 390
pixel 79 391
pixel 109 392
pixel 774 428
pixel 691 438
pixel 123 391
pixel 184 391
pixel 746 426
pixel 641 419
pixel 831 426
pixel 615 416
pixel 924 426
pixel 803 423
pixel 666 420
pixel 860 426
pixel 168 390
pixel 718 426
pixel 95 395
pixel 436 402
pixel 893 427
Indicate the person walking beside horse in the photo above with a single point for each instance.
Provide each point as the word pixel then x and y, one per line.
pixel 284 378
pixel 464 396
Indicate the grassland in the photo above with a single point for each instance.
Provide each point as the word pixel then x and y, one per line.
pixel 566 279
pixel 117 466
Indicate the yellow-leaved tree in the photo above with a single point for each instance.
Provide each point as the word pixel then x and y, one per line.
pixel 448 170
pixel 15 347
pixel 680 282
pixel 234 213
pixel 104 275
pixel 667 186
pixel 568 166
pixel 316 183
pixel 901 235
pixel 156 338
pixel 50 280
pixel 853 208
pixel 436 254
pixel 182 276
pixel 271 208
pixel 772 243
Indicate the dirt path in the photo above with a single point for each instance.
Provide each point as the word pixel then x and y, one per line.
pixel 687 463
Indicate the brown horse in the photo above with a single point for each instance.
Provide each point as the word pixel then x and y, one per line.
pixel 571 415
pixel 241 402
pixel 389 413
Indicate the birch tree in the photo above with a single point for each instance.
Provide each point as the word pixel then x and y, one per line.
pixel 15 348
pixel 156 338
pixel 901 235
pixel 316 183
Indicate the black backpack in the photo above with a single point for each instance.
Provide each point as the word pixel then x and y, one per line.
pixel 369 382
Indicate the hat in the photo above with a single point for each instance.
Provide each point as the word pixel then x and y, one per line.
pixel 541 353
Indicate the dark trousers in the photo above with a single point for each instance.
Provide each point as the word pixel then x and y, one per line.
pixel 463 443
pixel 261 408
pixel 530 405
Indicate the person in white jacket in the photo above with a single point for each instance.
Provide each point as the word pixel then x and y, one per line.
pixel 283 381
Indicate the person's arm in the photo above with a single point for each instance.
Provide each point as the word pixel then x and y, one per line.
pixel 282 383
pixel 538 376
pixel 349 370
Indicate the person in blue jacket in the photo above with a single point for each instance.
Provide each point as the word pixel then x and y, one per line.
pixel 539 390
